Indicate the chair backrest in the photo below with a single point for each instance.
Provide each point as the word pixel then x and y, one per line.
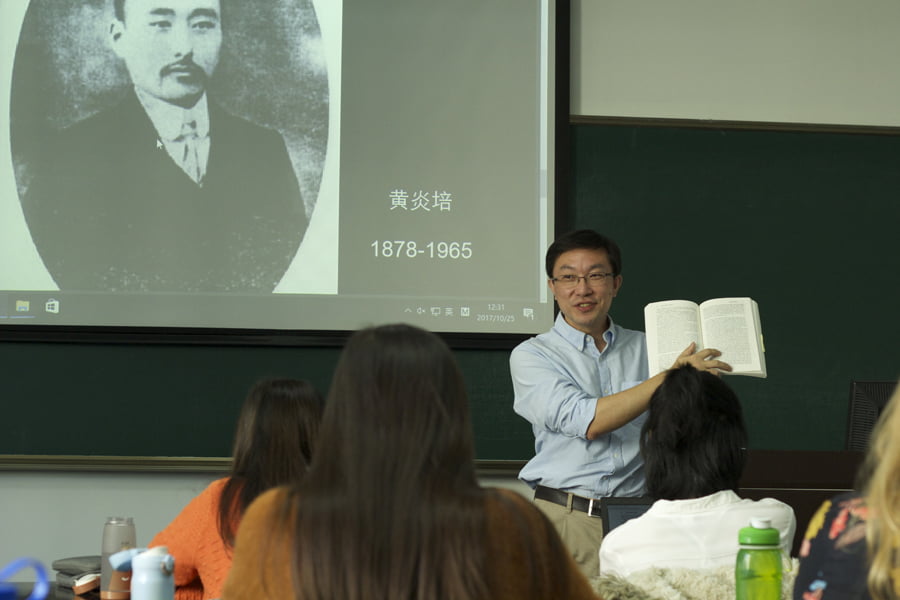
pixel 615 511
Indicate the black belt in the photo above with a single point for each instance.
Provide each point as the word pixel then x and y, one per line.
pixel 590 506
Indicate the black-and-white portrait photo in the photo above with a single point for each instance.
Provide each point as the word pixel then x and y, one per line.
pixel 169 145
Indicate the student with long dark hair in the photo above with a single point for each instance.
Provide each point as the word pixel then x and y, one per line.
pixel 273 445
pixel 391 508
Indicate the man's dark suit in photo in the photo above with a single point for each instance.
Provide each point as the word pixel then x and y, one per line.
pixel 112 211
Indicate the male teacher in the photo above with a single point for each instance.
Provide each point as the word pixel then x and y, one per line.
pixel 166 192
pixel 584 387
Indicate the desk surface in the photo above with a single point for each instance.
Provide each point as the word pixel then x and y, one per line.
pixel 56 593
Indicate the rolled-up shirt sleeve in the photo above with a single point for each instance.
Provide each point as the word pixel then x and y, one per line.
pixel 548 397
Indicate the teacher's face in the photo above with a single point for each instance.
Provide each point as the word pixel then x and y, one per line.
pixel 171 47
pixel 585 305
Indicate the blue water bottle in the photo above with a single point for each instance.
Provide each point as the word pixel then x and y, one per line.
pixel 757 574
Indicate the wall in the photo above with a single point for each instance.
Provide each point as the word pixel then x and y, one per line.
pixel 800 61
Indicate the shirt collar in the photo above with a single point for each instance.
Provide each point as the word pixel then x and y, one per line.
pixel 579 339
pixel 168 118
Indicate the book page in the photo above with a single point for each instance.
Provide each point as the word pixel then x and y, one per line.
pixel 670 327
pixel 731 326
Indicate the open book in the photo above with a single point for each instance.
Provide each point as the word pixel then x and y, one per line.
pixel 730 325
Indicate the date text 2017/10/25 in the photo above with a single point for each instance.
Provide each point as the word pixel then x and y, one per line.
pixel 412 249
pixel 496 318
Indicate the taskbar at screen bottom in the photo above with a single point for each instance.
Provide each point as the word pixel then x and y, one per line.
pixel 288 312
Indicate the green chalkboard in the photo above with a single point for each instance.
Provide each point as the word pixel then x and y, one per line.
pixel 806 223
pixel 183 400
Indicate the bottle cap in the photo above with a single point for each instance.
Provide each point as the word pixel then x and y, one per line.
pixel 759 533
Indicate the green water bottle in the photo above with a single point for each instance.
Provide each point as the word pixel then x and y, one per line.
pixel 757 574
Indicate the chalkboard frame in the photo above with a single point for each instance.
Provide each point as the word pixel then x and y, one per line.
pixel 228 337
pixel 176 464
pixel 734 125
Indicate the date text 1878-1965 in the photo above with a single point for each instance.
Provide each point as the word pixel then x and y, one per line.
pixel 399 249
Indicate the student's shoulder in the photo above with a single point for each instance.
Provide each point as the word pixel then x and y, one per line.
pixel 216 487
pixel 773 505
pixel 781 514
pixel 626 533
pixel 269 499
pixel 265 513
pixel 511 510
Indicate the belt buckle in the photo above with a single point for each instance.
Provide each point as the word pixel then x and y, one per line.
pixel 590 511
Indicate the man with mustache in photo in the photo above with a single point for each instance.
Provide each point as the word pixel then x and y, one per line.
pixel 166 192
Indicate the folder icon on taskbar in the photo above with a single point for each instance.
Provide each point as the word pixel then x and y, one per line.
pixel 23 305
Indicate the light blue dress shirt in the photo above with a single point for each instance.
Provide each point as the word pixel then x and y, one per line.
pixel 557 378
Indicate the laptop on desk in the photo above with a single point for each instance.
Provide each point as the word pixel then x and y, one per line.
pixel 615 511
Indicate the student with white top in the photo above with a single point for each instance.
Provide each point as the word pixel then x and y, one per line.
pixel 693 445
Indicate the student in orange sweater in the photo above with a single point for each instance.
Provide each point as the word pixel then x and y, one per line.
pixel 391 507
pixel 276 430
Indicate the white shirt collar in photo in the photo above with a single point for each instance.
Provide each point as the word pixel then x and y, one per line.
pixel 168 118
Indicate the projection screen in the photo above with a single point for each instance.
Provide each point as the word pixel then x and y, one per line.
pixel 295 165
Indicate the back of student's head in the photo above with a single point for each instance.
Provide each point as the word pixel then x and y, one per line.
pixel 391 507
pixel 398 395
pixel 882 491
pixel 276 431
pixel 693 441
